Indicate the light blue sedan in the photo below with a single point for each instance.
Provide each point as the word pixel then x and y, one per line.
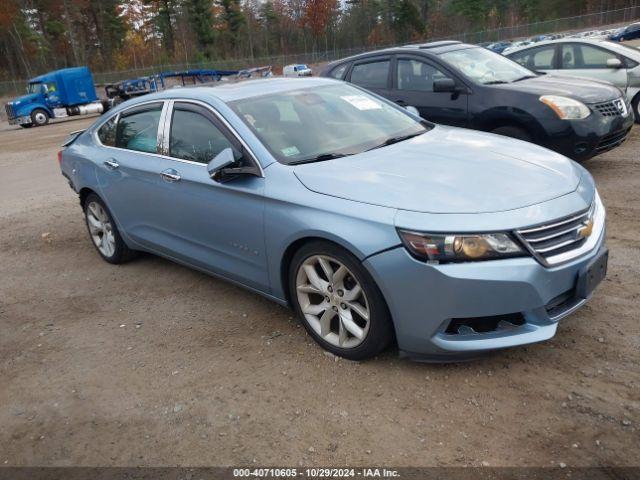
pixel 376 226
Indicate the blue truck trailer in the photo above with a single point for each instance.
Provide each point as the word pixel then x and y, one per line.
pixel 61 93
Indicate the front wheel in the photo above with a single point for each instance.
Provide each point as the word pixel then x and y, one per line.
pixel 338 301
pixel 104 232
pixel 635 104
pixel 39 117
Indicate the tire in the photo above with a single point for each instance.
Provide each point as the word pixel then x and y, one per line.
pixel 513 132
pixel 635 104
pixel 104 232
pixel 345 305
pixel 39 117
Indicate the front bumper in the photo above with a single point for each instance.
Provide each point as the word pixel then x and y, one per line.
pixel 594 135
pixel 525 298
pixel 20 120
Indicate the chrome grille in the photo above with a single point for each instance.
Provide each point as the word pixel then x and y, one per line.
pixel 9 109
pixel 558 237
pixel 612 108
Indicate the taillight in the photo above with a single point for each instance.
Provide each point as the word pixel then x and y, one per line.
pixel 60 157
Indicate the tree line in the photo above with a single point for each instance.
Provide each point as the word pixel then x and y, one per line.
pixel 40 35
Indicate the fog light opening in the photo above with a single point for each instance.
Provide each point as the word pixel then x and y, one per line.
pixel 479 325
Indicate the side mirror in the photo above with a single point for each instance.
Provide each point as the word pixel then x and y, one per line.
pixel 221 161
pixel 614 63
pixel 413 110
pixel 444 85
pixel 221 167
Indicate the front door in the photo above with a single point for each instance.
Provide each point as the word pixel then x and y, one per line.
pixel 413 86
pixel 589 61
pixel 216 226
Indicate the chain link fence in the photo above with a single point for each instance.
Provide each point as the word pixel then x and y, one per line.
pixel 600 20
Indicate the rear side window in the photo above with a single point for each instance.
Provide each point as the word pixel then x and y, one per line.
pixel 371 75
pixel 107 132
pixel 138 130
pixel 194 137
pixel 338 72
pixel 535 58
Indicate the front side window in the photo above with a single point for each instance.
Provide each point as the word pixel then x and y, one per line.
pixel 540 58
pixel 485 67
pixel 107 132
pixel 371 75
pixel 416 75
pixel 194 137
pixel 575 56
pixel 323 123
pixel 138 130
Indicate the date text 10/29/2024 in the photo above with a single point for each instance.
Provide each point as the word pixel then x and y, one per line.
pixel 314 472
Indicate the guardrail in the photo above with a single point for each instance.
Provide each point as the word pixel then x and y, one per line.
pixel 599 20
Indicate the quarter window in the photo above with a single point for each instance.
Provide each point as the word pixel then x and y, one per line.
pixel 338 72
pixel 576 56
pixel 535 58
pixel 138 130
pixel 194 137
pixel 107 132
pixel 416 75
pixel 371 75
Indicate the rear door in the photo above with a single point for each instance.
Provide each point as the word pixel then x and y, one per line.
pixel 128 173
pixel 539 59
pixel 413 86
pixel 589 61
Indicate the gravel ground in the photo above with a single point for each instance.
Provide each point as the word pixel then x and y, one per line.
pixel 150 363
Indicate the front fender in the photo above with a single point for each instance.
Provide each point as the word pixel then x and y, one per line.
pixel 25 110
pixel 507 115
pixel 294 213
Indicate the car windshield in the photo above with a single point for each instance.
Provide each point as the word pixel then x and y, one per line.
pixel 34 87
pixel 486 67
pixel 324 123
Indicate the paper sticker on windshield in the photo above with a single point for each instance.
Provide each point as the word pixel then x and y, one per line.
pixel 289 151
pixel 361 102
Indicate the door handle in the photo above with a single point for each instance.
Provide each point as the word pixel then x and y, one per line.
pixel 170 175
pixel 111 164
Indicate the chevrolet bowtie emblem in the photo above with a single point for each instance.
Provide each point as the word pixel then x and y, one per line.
pixel 586 229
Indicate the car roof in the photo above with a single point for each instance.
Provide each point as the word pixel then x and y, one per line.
pixel 602 42
pixel 229 92
pixel 436 48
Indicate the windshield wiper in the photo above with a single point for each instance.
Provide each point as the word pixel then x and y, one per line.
pixel 523 78
pixel 320 158
pixel 392 140
pixel 494 82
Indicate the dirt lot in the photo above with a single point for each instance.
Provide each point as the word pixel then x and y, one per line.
pixel 150 363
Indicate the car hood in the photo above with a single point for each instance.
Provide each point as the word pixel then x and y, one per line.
pixel 446 170
pixel 30 97
pixel 585 90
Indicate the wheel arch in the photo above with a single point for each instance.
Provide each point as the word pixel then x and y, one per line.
pixel 295 245
pixel 84 193
pixel 509 117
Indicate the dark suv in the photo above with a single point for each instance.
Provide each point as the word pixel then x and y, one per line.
pixel 468 86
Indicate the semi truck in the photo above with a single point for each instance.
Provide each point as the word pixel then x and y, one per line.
pixel 57 94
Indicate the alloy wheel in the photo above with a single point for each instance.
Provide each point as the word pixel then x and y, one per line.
pixel 100 229
pixel 333 301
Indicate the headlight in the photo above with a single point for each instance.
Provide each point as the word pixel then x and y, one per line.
pixel 566 108
pixel 442 247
